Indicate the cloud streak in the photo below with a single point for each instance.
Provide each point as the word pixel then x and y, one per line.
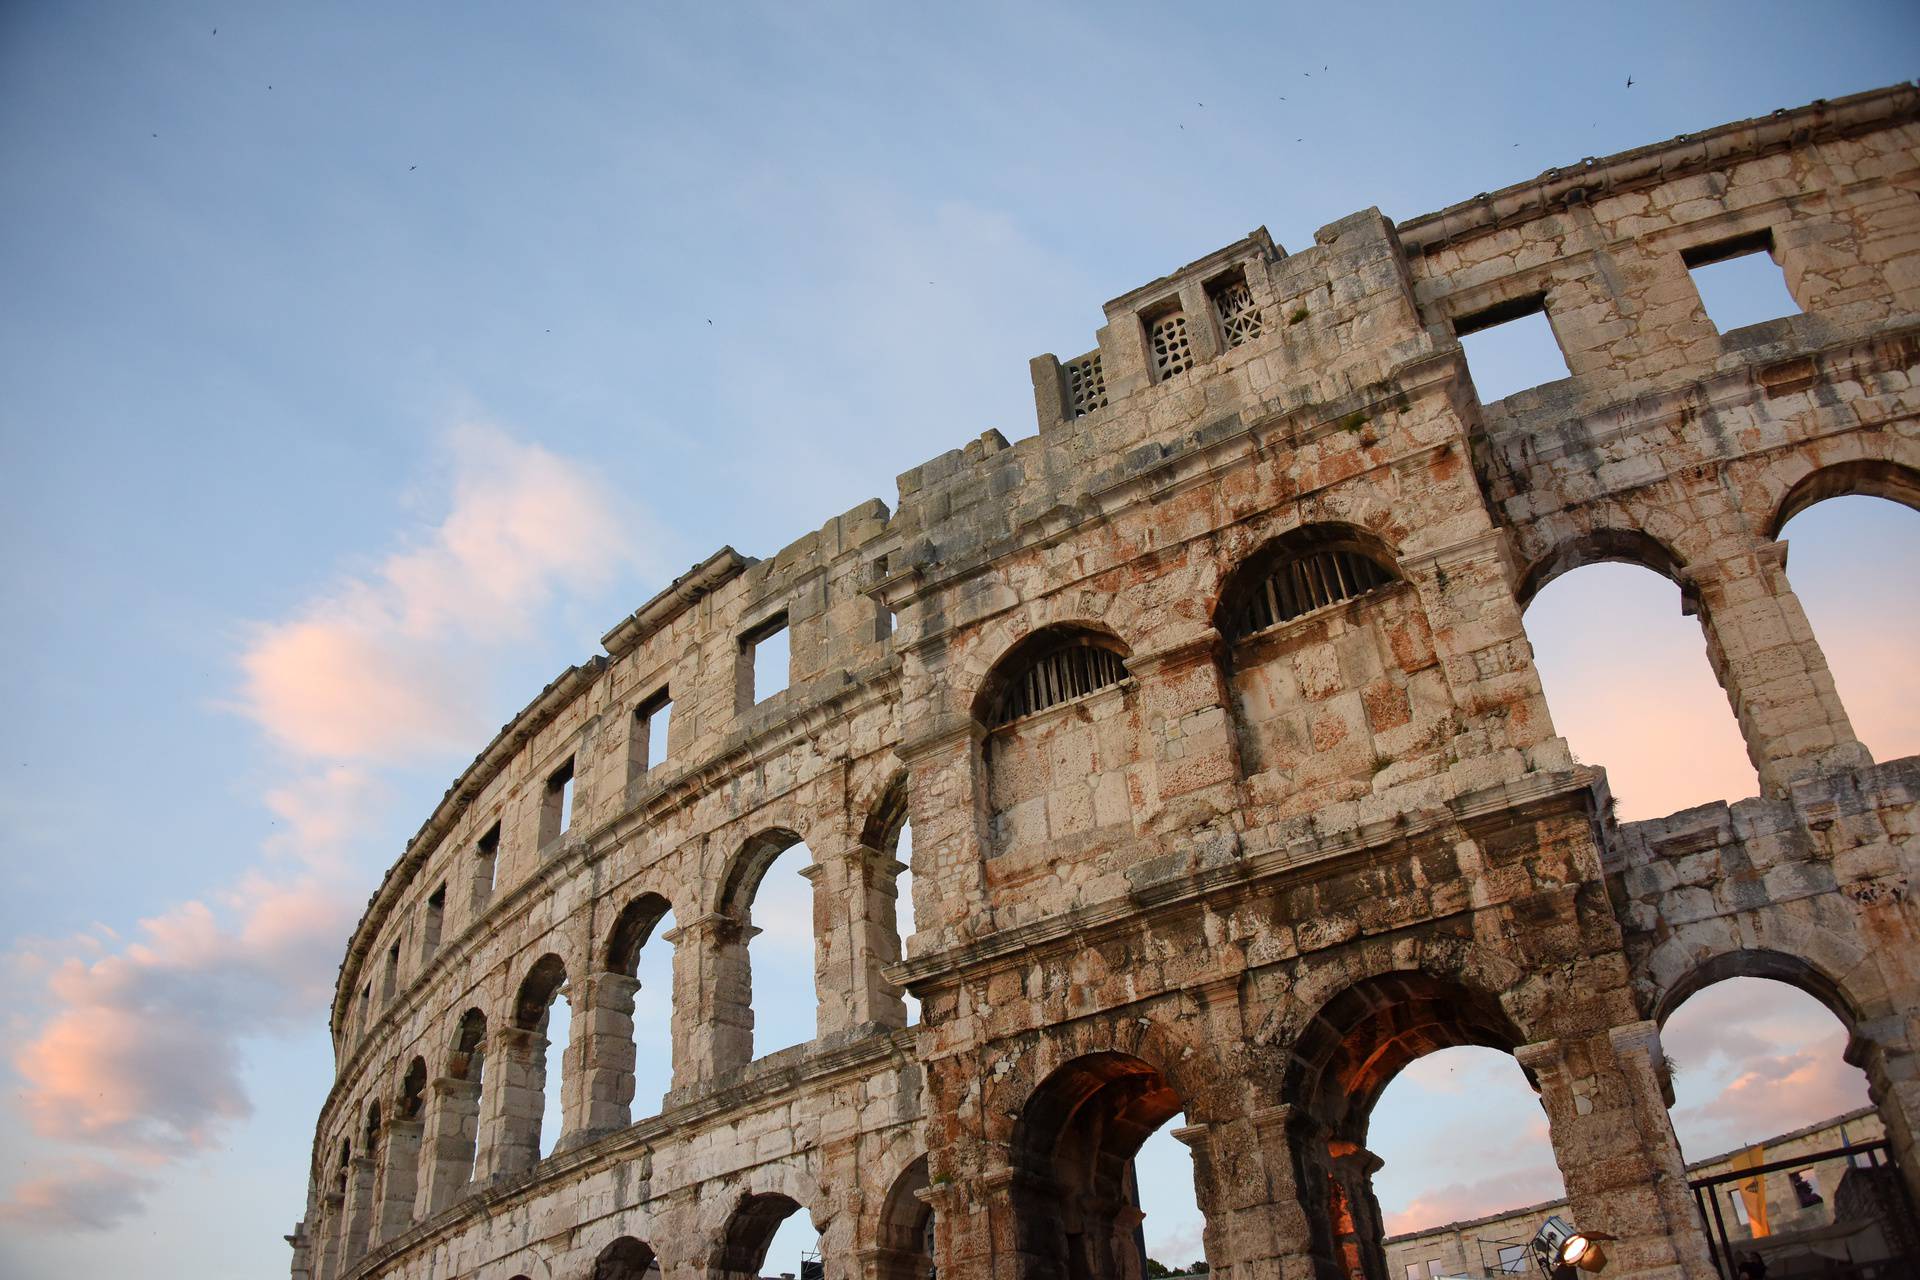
pixel 137 1051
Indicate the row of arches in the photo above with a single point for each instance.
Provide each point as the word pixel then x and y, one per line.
pixel 1071 1204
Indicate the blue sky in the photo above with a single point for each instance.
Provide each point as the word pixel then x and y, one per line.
pixel 362 364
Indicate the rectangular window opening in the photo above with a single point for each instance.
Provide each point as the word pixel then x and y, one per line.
pixel 1514 1259
pixel 767 659
pixel 486 865
pixel 1739 282
pixel 556 806
pixel 1169 346
pixel 390 982
pixel 435 918
pixel 1511 347
pixel 652 720
pixel 1739 1203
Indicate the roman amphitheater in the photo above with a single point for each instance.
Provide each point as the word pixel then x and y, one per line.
pixel 1231 782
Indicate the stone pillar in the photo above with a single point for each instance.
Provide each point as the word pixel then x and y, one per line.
pixel 1765 656
pixel 359 1215
pixel 510 1132
pixel 950 817
pixel 399 1178
pixel 1289 1248
pixel 302 1252
pixel 1359 1230
pixel 449 1145
pixel 1883 1049
pixel 1612 1138
pixel 712 1006
pixel 607 1053
pixel 874 927
pixel 1186 701
pixel 331 1225
pixel 832 967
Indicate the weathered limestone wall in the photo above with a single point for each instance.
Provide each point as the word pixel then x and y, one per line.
pixel 1316 824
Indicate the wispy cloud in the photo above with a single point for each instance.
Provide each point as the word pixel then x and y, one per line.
pixel 137 1052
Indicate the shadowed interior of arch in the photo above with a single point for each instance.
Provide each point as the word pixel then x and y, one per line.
pixel 1078 1199
pixel 767 1231
pixel 624 1259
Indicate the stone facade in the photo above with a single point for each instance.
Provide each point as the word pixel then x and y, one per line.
pixel 1232 784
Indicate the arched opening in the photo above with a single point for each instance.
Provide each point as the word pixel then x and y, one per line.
pixel 413 1090
pixel 889 832
pixel 400 1171
pixel 631 1066
pixel 1077 1203
pixel 1628 681
pixel 905 1243
pixel 1354 1047
pixel 459 1130
pixel 770 896
pixel 1854 538
pixel 767 1232
pixel 625 1259
pixel 1461 1137
pixel 1060 709
pixel 542 1010
pixel 1756 1046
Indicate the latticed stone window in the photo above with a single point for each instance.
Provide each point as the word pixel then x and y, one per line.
pixel 1172 352
pixel 1086 386
pixel 1300 583
pixel 1057 676
pixel 1239 318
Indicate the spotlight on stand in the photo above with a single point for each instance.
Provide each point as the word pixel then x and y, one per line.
pixel 1559 1249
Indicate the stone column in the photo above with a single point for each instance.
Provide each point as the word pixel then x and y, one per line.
pixel 1359 1230
pixel 950 816
pixel 1288 1247
pixel 1883 1049
pixel 328 1252
pixel 875 931
pixel 448 1144
pixel 607 1052
pixel 712 1008
pixel 1607 1118
pixel 832 968
pixel 1764 653
pixel 360 1176
pixel 510 1132
pixel 399 1178
pixel 302 1252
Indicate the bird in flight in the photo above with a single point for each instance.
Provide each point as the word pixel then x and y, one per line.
pixel 1629 82
pixel 412 167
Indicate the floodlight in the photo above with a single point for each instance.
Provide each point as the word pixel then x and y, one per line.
pixel 1558 1248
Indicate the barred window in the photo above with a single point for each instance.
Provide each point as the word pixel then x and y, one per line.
pixel 1057 676
pixel 1239 318
pixel 1301 583
pixel 1086 386
pixel 1172 352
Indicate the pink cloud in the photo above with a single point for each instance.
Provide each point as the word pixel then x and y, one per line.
pixel 1508 1188
pixel 138 1050
pixel 384 666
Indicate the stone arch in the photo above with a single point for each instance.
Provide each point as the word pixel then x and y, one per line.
pixel 1600 545
pixel 1338 1064
pixel 1867 476
pixel 1075 1203
pixel 467 1054
pixel 1113 614
pixel 1033 647
pixel 631 930
pixel 901 1230
pixel 1241 586
pixel 413 1090
pixel 743 1226
pixel 1206 1090
pixel 625 1259
pixel 537 991
pixel 1834 969
pixel 886 813
pixel 749 866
